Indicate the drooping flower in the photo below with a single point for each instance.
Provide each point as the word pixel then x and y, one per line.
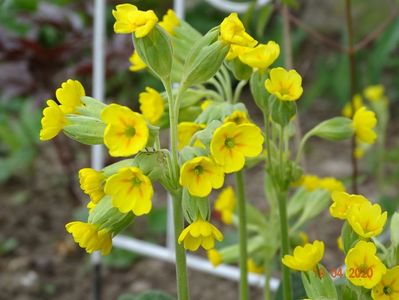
pixel 285 85
pixel 388 287
pixel 89 237
pixel 342 202
pixel 358 103
pixel 130 190
pixel 374 92
pixel 332 184
pixel 262 56
pixel 310 182
pixel 254 268
pixel 129 19
pixel 305 258
pixel 363 123
pixel 200 233
pixel 185 131
pixel 231 143
pixel 169 21
pixel 137 63
pixel 126 132
pixel 225 204
pixel 214 257
pixel 235 51
pixel 232 32
pixel 52 122
pixel 238 117
pixel 199 175
pixel 151 105
pixel 363 267
pixel 366 219
pixel 92 184
pixel 69 96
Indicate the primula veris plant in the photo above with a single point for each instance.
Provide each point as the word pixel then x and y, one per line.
pixel 211 137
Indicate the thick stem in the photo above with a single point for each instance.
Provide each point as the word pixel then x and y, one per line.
pixel 352 73
pixel 282 198
pixel 242 226
pixel 181 268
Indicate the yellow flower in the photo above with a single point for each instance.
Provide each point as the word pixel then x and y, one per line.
pixel 185 131
pixel 347 110
pixel 363 267
pixel 200 233
pixel 363 123
pixel 359 152
pixel 89 237
pixel 340 243
pixel 129 19
pixel 52 122
pixel 305 258
pixel 238 117
pixel 388 287
pixel 232 32
pixel 151 105
pixel 169 21
pixel 366 219
pixel 69 95
pixel 199 175
pixel 342 202
pixel 231 143
pixel 331 184
pixel 235 51
pixel 254 268
pixel 130 190
pixel 214 257
pixel 137 63
pixel 92 184
pixel 262 56
pixel 374 92
pixel 285 85
pixel 225 204
pixel 310 182
pixel 126 132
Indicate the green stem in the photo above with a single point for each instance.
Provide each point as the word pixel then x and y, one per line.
pixel 267 141
pixel 181 268
pixel 242 227
pixel 237 92
pixel 282 198
pixel 266 291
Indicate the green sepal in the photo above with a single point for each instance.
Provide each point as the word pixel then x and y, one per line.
pixel 195 207
pixel 114 168
pixel 153 134
pixel 86 130
pixel 219 111
pixel 283 111
pixel 349 237
pixel 155 49
pixel 204 59
pixel 106 216
pixel 91 108
pixel 395 229
pixel 335 129
pixel 205 135
pixel 240 70
pixel 189 152
pixel 258 91
pixel 319 288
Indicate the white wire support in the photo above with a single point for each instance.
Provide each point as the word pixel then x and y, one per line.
pixel 97 151
pixel 193 262
pixel 229 6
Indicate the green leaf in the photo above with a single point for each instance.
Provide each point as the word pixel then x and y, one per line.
pixel 154 295
pixel 319 288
